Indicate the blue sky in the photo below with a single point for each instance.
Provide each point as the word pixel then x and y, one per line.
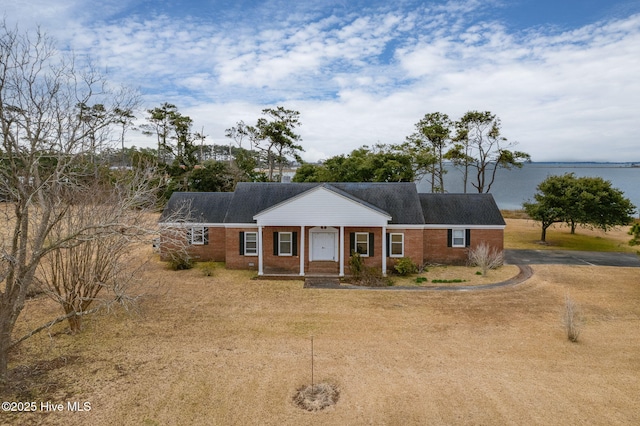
pixel 562 75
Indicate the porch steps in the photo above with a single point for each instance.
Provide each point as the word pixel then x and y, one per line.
pixel 323 268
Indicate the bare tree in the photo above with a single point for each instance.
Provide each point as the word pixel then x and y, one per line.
pixel 485 257
pixel 43 158
pixel 571 319
pixel 176 233
pixel 93 267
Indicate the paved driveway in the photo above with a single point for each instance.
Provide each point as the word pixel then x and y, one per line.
pixel 568 257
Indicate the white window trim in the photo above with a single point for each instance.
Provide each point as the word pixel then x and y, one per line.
pixel 366 234
pixel 391 245
pixel 453 237
pixel 200 231
pixel 246 240
pixel 280 251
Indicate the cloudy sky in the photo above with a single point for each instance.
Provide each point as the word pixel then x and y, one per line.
pixel 563 75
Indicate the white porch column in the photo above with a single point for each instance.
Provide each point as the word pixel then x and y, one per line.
pixel 384 251
pixel 341 251
pixel 260 270
pixel 302 250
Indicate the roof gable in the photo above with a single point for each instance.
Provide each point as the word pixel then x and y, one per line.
pixel 323 205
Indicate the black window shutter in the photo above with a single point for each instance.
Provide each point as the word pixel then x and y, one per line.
pixel 467 237
pixel 275 243
pixel 294 243
pixel 388 244
pixel 241 243
pixel 352 243
pixel 189 234
pixel 206 236
pixel 371 244
pixel 449 237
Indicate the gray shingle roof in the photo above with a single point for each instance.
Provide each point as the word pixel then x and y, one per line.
pixel 198 207
pixel 251 198
pixel 400 200
pixel 460 209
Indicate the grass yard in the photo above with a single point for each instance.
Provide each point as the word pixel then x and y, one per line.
pixel 226 349
pixel 525 234
pixel 457 276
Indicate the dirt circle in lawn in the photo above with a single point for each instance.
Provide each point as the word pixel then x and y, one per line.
pixel 316 397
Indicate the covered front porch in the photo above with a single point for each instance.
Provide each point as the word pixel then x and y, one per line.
pixel 316 230
pixel 285 251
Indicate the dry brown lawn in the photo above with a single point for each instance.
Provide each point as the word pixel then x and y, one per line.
pixel 525 234
pixel 227 349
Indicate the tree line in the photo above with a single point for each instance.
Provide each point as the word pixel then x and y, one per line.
pixel 475 143
pixel 191 165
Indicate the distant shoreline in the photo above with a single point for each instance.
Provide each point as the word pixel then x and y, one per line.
pixel 577 163
pixel 517 185
pixel 586 164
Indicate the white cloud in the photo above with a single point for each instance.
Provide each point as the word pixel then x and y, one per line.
pixel 367 78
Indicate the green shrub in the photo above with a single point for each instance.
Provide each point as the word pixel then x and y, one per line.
pixel 405 266
pixel 372 277
pixel 356 266
pixel 635 233
pixel 420 280
pixel 180 261
pixel 366 276
pixel 207 268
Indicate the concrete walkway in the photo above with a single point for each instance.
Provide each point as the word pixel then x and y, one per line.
pixel 521 258
pixel 331 283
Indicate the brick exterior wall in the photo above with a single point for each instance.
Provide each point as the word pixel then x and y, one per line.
pixel 436 250
pixel 214 251
pixel 413 246
pixel 278 264
pixel 422 246
pixel 493 237
pixel 234 260
pixel 374 261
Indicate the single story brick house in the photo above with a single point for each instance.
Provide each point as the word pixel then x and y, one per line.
pixel 313 228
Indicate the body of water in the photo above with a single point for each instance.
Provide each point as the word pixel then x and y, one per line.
pixel 513 187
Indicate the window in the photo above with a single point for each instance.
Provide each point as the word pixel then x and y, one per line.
pixel 250 243
pixel 285 244
pixel 458 238
pixel 362 243
pixel 396 245
pixel 197 235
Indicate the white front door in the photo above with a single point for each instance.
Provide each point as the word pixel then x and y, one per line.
pixel 323 246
